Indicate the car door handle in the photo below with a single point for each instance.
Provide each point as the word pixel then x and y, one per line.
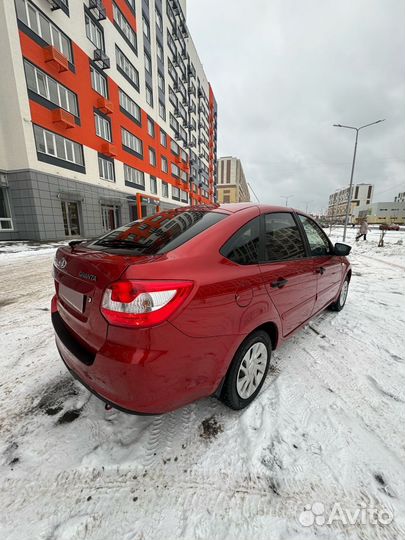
pixel 320 270
pixel 279 283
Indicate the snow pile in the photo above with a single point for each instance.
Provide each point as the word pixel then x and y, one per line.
pixel 322 444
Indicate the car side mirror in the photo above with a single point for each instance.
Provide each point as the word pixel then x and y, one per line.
pixel 341 249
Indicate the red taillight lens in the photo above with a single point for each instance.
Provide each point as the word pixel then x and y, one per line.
pixel 143 303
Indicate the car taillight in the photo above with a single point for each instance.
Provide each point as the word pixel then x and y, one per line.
pixel 143 303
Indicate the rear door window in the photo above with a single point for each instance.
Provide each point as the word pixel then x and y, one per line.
pixel 159 233
pixel 282 238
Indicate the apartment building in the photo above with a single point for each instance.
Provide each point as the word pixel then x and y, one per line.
pixel 362 194
pixel 400 197
pixel 382 212
pixel 106 116
pixel 232 186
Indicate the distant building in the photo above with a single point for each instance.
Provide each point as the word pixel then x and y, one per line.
pixel 381 212
pixel 400 197
pixel 232 186
pixel 362 195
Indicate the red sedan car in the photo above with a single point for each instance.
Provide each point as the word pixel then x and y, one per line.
pixel 191 302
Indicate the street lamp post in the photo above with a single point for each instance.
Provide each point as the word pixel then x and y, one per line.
pixel 286 197
pixel 349 199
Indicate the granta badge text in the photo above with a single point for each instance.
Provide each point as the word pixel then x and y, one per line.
pixel 90 277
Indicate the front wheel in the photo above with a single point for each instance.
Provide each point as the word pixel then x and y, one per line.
pixel 341 301
pixel 247 371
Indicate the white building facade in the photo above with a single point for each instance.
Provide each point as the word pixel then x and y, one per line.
pixel 106 116
pixel 362 194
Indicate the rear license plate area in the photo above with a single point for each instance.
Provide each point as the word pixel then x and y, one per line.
pixel 73 298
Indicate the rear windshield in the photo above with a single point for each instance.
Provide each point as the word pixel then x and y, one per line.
pixel 159 233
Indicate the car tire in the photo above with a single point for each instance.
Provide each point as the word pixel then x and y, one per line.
pixel 341 301
pixel 251 361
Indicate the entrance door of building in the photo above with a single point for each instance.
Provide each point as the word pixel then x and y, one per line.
pixel 71 220
pixel 109 216
pixel 148 209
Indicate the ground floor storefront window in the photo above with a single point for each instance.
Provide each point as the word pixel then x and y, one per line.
pixel 6 223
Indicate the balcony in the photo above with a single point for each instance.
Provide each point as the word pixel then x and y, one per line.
pixel 105 105
pixel 191 71
pixel 97 8
pixel 183 29
pixel 59 4
pixel 101 60
pixel 56 59
pixel 63 119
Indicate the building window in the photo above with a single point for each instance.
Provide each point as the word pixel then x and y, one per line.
pixel 152 157
pixel 174 147
pixel 6 223
pixel 183 155
pixel 148 63
pixel 175 193
pixel 94 32
pixel 131 4
pixel 99 82
pixel 173 123
pixel 146 28
pixel 151 127
pixel 126 29
pixel 159 22
pixel 159 51
pixel 164 164
pixel 163 138
pixel 165 189
pixel 126 68
pixel 51 144
pixel 103 127
pixel 162 110
pixel 149 95
pixel 42 26
pixel 45 86
pixel 130 106
pixel 106 169
pixel 175 170
pixel 153 185
pixel 184 196
pixel 161 82
pixel 133 176
pixel 133 143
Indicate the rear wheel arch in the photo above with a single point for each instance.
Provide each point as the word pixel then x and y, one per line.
pixel 271 329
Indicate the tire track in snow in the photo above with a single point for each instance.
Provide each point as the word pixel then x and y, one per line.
pixel 175 505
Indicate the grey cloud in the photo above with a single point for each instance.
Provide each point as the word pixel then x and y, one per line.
pixel 283 71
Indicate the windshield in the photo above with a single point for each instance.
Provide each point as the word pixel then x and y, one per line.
pixel 159 233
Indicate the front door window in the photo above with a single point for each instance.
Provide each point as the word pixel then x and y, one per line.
pixel 71 221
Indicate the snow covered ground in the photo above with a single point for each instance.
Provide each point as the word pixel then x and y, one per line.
pixel 325 438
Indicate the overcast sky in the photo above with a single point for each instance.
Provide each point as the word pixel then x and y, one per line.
pixel 284 71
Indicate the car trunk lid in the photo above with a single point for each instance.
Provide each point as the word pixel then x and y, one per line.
pixel 81 276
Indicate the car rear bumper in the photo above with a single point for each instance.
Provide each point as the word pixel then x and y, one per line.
pixel 147 371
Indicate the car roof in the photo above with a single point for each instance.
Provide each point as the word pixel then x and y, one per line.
pixel 263 208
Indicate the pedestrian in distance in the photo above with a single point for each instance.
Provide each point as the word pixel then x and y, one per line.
pixel 363 230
